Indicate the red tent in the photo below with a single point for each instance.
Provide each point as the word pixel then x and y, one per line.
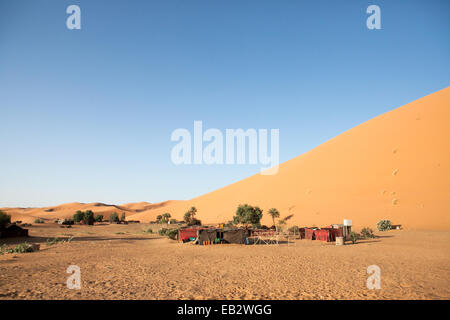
pixel 323 234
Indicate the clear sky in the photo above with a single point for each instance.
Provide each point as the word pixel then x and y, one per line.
pixel 86 115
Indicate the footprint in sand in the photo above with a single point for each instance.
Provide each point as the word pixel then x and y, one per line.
pixel 395 172
pixel 394 202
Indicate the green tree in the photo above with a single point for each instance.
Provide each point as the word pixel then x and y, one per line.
pixel 189 216
pixel 158 218
pixel 274 214
pixel 122 217
pixel 4 219
pixel 114 218
pixel 99 218
pixel 78 216
pixel 88 217
pixel 246 214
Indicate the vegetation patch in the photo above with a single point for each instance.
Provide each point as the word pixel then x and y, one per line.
pixel 20 248
pixel 384 225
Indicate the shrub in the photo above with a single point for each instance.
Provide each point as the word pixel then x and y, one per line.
pixel 149 231
pixel 172 234
pixel 78 216
pixel 294 229
pixel 99 218
pixel 20 248
pixel 367 233
pixel 384 225
pixel 173 221
pixel 113 218
pixel 162 231
pixel 53 241
pixel 353 237
pixel 4 219
pixel 38 220
pixel 122 217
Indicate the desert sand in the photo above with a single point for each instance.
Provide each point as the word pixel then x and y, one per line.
pixel 123 262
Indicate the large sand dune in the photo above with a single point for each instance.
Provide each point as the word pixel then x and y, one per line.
pixel 395 166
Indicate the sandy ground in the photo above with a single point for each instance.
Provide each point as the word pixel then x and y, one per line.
pixel 123 262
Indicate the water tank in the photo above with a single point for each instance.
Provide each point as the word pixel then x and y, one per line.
pixel 347 223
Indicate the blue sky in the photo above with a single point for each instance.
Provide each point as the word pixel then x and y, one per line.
pixel 86 115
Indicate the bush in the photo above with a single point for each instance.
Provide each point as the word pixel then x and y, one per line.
pixel 53 241
pixel 99 218
pixel 384 225
pixel 172 234
pixel 113 218
pixel 173 221
pixel 367 233
pixel 163 231
pixel 4 219
pixel 38 220
pixel 20 248
pixel 122 217
pixel 354 237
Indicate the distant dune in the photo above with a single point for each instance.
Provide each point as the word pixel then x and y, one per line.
pixel 67 210
pixel 395 166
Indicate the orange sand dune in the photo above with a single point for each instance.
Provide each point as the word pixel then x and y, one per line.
pixel 395 166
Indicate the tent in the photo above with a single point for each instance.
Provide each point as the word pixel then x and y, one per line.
pixel 13 231
pixel 227 235
pixel 235 236
pixel 186 234
pixel 323 234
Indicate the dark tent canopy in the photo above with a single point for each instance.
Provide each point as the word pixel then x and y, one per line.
pixel 223 235
pixel 235 236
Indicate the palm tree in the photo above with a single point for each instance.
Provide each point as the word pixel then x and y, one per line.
pixel 274 214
